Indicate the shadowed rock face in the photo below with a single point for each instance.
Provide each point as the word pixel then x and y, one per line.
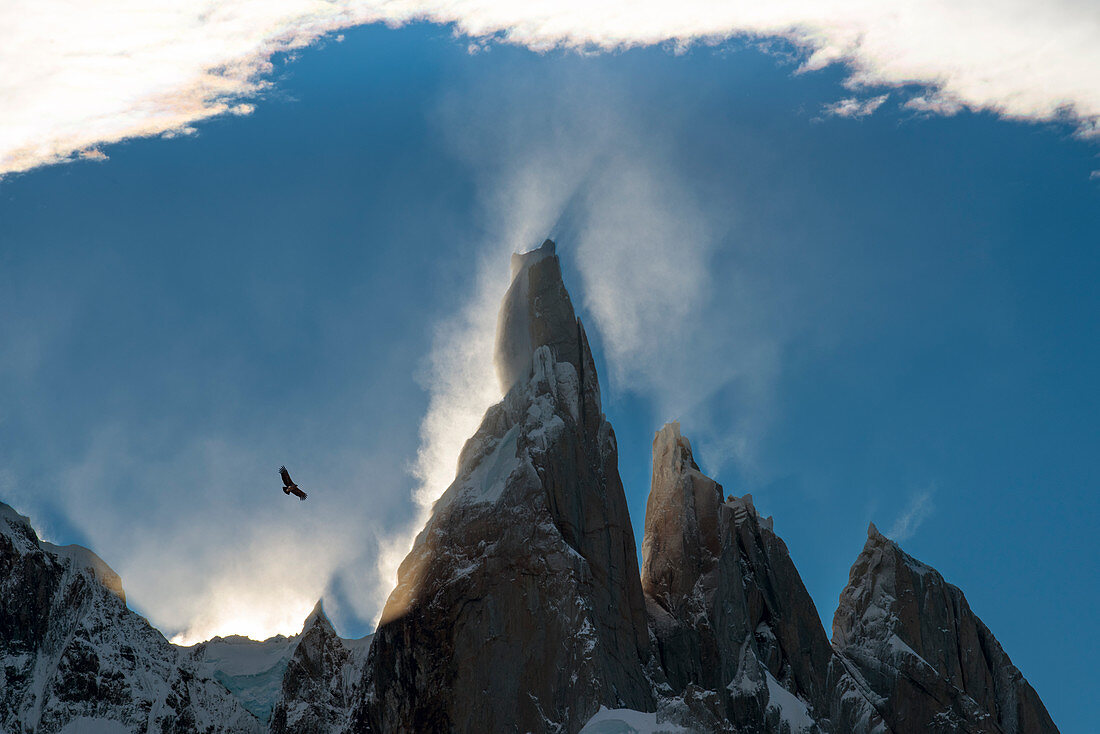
pixel 72 654
pixel 933 665
pixel 321 682
pixel 729 612
pixel 519 607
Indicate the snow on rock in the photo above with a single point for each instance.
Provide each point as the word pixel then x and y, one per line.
pixel 628 721
pixel 519 606
pixel 792 710
pixel 738 638
pixel 73 657
pixel 322 680
pixel 251 670
pixel 931 663
pixel 94 725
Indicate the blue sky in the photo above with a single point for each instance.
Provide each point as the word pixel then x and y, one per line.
pixel 889 318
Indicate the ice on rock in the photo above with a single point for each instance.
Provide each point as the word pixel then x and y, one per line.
pixel 75 658
pixel 628 721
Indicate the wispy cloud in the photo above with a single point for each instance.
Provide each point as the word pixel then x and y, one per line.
pixel 855 107
pixel 189 531
pixel 76 76
pixel 917 511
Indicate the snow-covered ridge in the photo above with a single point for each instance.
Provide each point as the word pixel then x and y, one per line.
pixel 75 658
pixel 251 670
pixel 18 527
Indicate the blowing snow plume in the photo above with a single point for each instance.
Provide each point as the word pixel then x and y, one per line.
pixel 77 76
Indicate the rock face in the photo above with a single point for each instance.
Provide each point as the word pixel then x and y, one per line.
pixel 519 608
pixel 321 682
pixel 931 663
pixel 731 618
pixel 73 657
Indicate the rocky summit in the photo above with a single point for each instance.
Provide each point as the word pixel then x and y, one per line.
pixel 928 661
pixel 522 608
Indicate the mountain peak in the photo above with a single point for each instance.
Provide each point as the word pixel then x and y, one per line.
pixel 913 637
pixel 536 312
pixel 317 616
pixel 520 260
pixel 874 534
pixel 519 606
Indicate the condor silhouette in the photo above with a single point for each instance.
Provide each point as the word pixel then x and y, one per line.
pixel 289 487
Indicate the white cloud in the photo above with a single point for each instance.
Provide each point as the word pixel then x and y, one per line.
pixel 855 107
pixel 916 512
pixel 205 542
pixel 77 75
pixel 461 384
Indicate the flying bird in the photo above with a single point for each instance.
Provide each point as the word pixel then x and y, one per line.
pixel 289 487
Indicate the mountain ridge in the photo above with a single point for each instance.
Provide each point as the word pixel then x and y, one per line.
pixel 522 605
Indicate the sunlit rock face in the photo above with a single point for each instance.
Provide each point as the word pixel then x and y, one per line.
pixel 738 637
pixel 74 658
pixel 931 663
pixel 519 607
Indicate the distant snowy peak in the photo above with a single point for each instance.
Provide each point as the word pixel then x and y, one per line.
pixel 18 527
pixel 322 680
pixel 318 617
pixel 74 658
pixel 251 670
pixel 286 682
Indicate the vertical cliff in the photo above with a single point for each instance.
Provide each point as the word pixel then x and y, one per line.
pixel 932 664
pixel 730 615
pixel 519 607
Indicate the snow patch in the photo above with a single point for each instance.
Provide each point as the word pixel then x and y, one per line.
pixel 628 721
pixel 791 708
pixel 84 559
pixel 93 725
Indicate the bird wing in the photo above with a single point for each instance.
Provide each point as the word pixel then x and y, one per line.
pixel 287 481
pixel 300 493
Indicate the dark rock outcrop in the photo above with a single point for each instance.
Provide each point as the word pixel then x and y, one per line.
pixel 321 682
pixel 519 608
pixel 729 613
pixel 73 656
pixel 932 664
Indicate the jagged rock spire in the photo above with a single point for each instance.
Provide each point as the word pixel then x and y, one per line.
pixel 727 607
pixel 321 683
pixel 915 641
pixel 738 637
pixel 536 312
pixel 520 606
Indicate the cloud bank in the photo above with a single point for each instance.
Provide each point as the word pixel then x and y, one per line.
pixel 74 76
